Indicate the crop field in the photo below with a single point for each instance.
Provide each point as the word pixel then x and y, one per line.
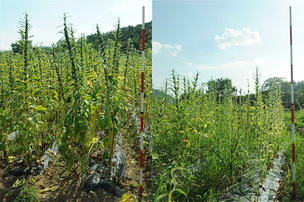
pixel 79 102
pixel 285 191
pixel 215 142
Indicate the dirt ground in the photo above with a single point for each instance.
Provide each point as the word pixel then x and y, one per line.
pixel 56 184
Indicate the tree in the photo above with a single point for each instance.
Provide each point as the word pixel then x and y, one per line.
pixel 134 33
pixel 17 46
pixel 299 94
pixel 272 83
pixel 286 97
pixel 222 87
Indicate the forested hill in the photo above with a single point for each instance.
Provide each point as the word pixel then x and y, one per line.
pixel 160 94
pixel 134 33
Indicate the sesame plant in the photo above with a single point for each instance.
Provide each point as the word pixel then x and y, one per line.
pixel 75 95
pixel 208 138
pixel 285 193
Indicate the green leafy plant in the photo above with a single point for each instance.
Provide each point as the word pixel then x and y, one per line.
pixel 78 95
pixel 215 134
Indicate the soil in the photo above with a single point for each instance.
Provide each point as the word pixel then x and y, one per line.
pixel 132 173
pixel 281 191
pixel 285 191
pixel 56 184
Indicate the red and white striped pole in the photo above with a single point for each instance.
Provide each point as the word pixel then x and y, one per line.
pixel 292 110
pixel 142 103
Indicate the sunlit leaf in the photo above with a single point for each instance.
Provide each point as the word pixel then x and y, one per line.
pixel 41 108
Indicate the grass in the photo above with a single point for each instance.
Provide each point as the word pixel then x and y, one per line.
pixel 21 192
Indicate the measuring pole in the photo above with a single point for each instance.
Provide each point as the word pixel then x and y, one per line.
pixel 292 111
pixel 142 103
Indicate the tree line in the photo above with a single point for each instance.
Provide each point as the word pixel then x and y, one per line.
pixel 223 86
pixel 130 38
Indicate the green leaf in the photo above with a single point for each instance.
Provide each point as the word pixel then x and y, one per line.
pixel 82 136
pixel 155 156
pixel 68 99
pixel 2 146
pixel 35 78
pixel 66 89
pixel 2 117
pixel 103 122
pixel 71 161
pixel 63 149
pixel 180 191
pixel 105 141
pixel 115 131
pixel 41 108
pixel 161 197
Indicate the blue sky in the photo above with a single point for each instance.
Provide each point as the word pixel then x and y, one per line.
pixel 226 39
pixel 46 17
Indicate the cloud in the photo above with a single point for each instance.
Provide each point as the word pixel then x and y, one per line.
pixel 239 71
pixel 156 47
pixel 167 49
pixel 120 7
pixel 229 65
pixel 233 37
pixel 7 38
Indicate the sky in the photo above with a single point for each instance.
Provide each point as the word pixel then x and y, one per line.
pixel 226 39
pixel 46 17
